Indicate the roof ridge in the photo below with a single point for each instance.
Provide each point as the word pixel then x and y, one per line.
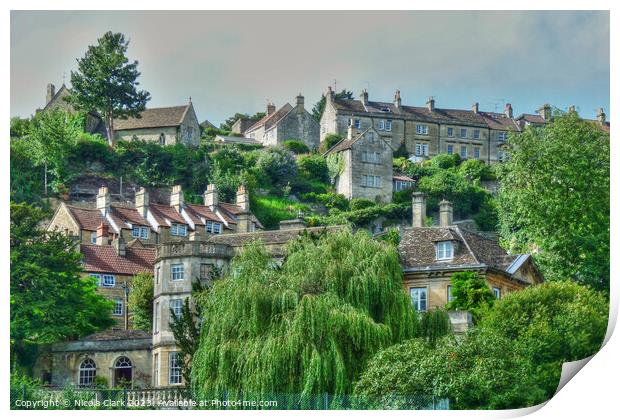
pixel 473 254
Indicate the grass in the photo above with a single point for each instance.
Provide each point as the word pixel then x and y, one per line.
pixel 270 209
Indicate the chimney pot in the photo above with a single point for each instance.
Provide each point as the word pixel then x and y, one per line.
pixel 600 116
pixel 397 101
pixel 271 108
pixel 351 130
pixel 243 198
pixel 364 97
pixel 545 112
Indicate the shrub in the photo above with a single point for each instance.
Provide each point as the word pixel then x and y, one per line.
pixel 278 164
pixel 314 167
pixel 435 324
pixel 330 141
pixel 470 293
pixel 445 161
pixel 296 146
pixel 329 200
pixel 476 170
pixel 361 203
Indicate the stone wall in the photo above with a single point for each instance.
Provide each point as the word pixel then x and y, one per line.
pixel 148 134
pixel 299 125
pixel 371 143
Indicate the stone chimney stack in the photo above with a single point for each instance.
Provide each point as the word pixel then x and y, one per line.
pixel 271 108
pixel 474 108
pixel 508 110
pixel 600 116
pixel 430 104
pixel 397 101
pixel 102 234
pixel 351 131
pixel 176 198
pixel 572 109
pixel 329 94
pixel 243 198
pixel 210 196
pixel 364 97
pixel 119 246
pixel 418 209
pixel 545 112
pixel 300 104
pixel 445 213
pixel 142 202
pixel 51 92
pixel 103 201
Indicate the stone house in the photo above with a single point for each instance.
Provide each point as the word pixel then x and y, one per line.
pixel 241 125
pixel 165 126
pixel 287 123
pixel 430 255
pixel 365 160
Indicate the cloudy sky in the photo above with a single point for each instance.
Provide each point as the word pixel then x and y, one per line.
pixel 237 61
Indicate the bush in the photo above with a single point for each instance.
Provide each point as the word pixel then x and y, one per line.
pixel 296 146
pixel 445 161
pixel 314 167
pixel 434 325
pixel 329 200
pixel 278 165
pixel 470 293
pixel 361 203
pixel 476 170
pixel 330 141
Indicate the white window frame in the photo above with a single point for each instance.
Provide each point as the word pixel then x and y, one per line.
pixel 118 307
pixel 421 129
pixel 174 369
pixel 357 123
pixel 381 125
pixel 176 306
pixel 388 125
pixel 108 280
pixel 463 153
pixel 421 149
pixel 177 272
pixel 497 292
pixel 93 238
pixel 502 136
pixel 178 229
pixel 96 276
pixel 444 250
pixel 144 232
pixel 87 372
pixel 135 231
pixel 213 227
pixel 419 298
pixel 476 152
pixel 463 133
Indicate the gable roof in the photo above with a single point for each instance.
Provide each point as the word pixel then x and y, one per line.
pixel 497 121
pixel 87 219
pixel 269 121
pixel 345 144
pixel 154 117
pixel 126 217
pixel 104 259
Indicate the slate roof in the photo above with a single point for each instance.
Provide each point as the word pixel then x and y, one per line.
pixel 531 118
pixel 124 217
pixel 161 212
pixel 87 219
pixel 154 117
pixel 497 121
pixel 269 121
pixel 268 237
pixel 236 140
pixel 402 178
pixel 104 259
pixel 117 335
pixel 417 249
pixel 346 143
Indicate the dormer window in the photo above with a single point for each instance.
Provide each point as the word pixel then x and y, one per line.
pixel 178 229
pixel 445 250
pixel 140 232
pixel 213 227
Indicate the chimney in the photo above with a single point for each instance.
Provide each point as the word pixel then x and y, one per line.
pixel 243 198
pixel 445 213
pixel 508 110
pixel 329 95
pixel 474 108
pixel 351 131
pixel 142 202
pixel 545 112
pixel 210 196
pixel 176 198
pixel 51 92
pixel 364 97
pixel 103 201
pixel 418 209
pixel 300 104
pixel 572 109
pixel 102 234
pixel 271 108
pixel 430 104
pixel 397 99
pixel 119 245
pixel 600 116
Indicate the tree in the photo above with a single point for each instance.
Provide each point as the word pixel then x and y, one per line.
pixel 308 326
pixel 19 127
pixel 470 293
pixel 319 107
pixel 313 167
pixel 141 301
pixel 330 141
pixel 278 165
pixel 50 300
pixel 554 198
pixel 434 325
pixel 227 125
pixel 551 323
pixel 107 83
pixel 296 146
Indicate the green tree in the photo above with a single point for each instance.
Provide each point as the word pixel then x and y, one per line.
pixel 551 323
pixel 26 177
pixel 227 125
pixel 470 293
pixel 434 325
pixel 278 165
pixel 554 196
pixel 319 107
pixel 19 127
pixel 330 141
pixel 296 146
pixel 107 83
pixel 314 167
pixel 141 301
pixel 308 326
pixel 50 300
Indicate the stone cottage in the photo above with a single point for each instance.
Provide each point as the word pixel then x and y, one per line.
pixel 287 123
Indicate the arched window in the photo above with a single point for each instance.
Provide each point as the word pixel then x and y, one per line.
pixel 88 371
pixel 123 372
pixel 162 139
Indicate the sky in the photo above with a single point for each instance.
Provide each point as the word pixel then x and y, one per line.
pixel 231 62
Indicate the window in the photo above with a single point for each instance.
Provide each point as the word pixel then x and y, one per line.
pixel 421 129
pixel 178 272
pixel 381 125
pixel 372 181
pixel 445 250
pixel 450 132
pixel 205 271
pixel 175 307
pixel 135 231
pixel 118 307
pixel 402 185
pixel 501 155
pixel 371 137
pixel 388 125
pixel 501 136
pixel 476 152
pixel 371 157
pixel 463 152
pixel 450 149
pixel 162 139
pixel 418 297
pixel 156 319
pixel 144 232
pixel 157 274
pixel 421 149
pixel 463 133
pixel 357 124
pixel 88 371
pixel 449 293
pixel 97 277
pixel 213 227
pixel 497 292
pixel 109 280
pixel 476 134
pixel 178 229
pixel 93 238
pixel 156 369
pixel 175 368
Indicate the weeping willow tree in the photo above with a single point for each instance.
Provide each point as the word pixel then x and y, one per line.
pixel 307 326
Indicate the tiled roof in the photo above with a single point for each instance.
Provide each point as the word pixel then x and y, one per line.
pixel 497 121
pixel 88 219
pixel 161 212
pixel 531 118
pixel 270 120
pixel 154 117
pixel 403 178
pixel 268 237
pixel 117 335
pixel 104 259
pixel 124 215
pixel 236 140
pixel 417 249
pixel 202 211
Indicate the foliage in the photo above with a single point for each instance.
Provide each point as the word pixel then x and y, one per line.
pixel 141 301
pixel 50 301
pixel 278 164
pixel 26 177
pixel 335 165
pixel 19 127
pixel 319 107
pixel 444 161
pixel 330 141
pixel 228 123
pixel 329 200
pixel 392 236
pixel 401 152
pixel 106 82
pixel 554 196
pixel 476 170
pixel 313 167
pixel 470 293
pixel 434 324
pixel 361 203
pixel 296 146
pixel 551 323
pixel 361 217
pixel 307 326
pixel 271 210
